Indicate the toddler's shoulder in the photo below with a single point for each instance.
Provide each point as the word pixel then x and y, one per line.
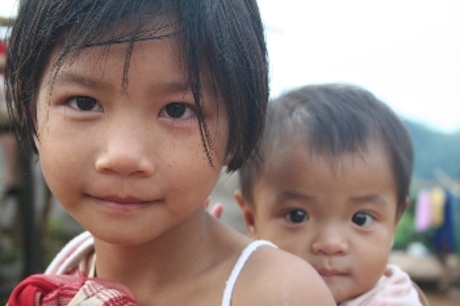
pixel 275 277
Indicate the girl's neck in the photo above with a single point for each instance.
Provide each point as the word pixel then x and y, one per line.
pixel 154 256
pixel 185 252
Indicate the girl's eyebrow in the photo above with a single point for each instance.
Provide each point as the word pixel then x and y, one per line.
pixel 85 80
pixel 99 83
pixel 168 86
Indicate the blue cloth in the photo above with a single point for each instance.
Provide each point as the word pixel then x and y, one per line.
pixel 444 239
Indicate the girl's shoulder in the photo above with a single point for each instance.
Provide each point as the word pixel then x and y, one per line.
pixel 275 277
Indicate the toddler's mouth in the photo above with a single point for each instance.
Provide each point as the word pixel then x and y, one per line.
pixel 326 272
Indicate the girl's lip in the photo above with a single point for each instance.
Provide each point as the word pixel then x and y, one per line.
pixel 123 202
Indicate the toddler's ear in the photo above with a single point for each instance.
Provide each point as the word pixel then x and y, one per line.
pixel 248 213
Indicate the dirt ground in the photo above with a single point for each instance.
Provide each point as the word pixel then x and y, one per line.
pixel 437 298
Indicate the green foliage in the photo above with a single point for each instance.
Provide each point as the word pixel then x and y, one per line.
pixel 9 257
pixel 434 149
pixel 56 237
pixel 405 232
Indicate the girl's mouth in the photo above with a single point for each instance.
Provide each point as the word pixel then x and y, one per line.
pixel 125 203
pixel 123 200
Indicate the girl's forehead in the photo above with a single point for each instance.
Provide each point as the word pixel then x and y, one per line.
pixel 104 62
pixel 157 64
pixel 127 33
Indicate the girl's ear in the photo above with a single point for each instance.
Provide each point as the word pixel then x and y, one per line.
pixel 35 123
pixel 402 209
pixel 228 159
pixel 248 213
pixel 37 143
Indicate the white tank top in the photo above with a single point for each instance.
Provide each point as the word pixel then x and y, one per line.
pixel 80 253
pixel 227 299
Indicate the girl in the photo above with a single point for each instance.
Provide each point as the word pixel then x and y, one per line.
pixel 134 107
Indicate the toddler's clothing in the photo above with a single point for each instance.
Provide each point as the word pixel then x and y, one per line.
pixel 70 279
pixel 394 288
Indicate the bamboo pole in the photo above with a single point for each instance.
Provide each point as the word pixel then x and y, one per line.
pixel 30 224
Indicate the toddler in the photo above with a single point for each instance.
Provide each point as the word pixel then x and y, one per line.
pixel 330 186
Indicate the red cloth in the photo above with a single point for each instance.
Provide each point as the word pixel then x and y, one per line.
pixel 2 48
pixel 60 290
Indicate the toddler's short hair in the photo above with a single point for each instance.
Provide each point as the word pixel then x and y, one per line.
pixel 333 119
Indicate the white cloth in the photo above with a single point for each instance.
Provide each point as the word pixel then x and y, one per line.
pixel 394 288
pixel 73 258
pixel 4 117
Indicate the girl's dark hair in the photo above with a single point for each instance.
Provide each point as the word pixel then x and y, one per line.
pixel 223 36
pixel 333 119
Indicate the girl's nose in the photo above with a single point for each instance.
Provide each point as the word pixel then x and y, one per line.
pixel 126 154
pixel 330 243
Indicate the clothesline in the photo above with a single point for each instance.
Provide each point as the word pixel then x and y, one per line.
pixel 436 209
pixel 447 182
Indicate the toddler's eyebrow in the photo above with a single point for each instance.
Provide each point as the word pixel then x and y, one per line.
pixel 358 199
pixel 369 198
pixel 292 195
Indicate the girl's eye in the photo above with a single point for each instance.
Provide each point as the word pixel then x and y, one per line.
pixel 85 104
pixel 363 219
pixel 178 111
pixel 296 216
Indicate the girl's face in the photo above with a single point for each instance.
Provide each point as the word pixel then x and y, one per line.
pixel 341 220
pixel 128 164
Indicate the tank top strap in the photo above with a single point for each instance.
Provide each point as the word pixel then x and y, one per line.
pixel 227 298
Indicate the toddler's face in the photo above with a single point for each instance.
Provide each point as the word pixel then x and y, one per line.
pixel 129 165
pixel 341 220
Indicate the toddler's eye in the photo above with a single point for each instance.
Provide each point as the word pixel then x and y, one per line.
pixel 177 111
pixel 85 104
pixel 363 219
pixel 296 216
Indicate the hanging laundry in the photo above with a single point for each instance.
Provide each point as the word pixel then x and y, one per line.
pixel 444 237
pixel 423 211
pixel 438 200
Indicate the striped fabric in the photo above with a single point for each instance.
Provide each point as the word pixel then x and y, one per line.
pixel 69 280
pixel 59 290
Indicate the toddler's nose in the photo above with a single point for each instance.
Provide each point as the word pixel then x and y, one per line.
pixel 330 242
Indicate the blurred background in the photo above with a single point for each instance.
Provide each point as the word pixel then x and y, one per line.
pixel 406 52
